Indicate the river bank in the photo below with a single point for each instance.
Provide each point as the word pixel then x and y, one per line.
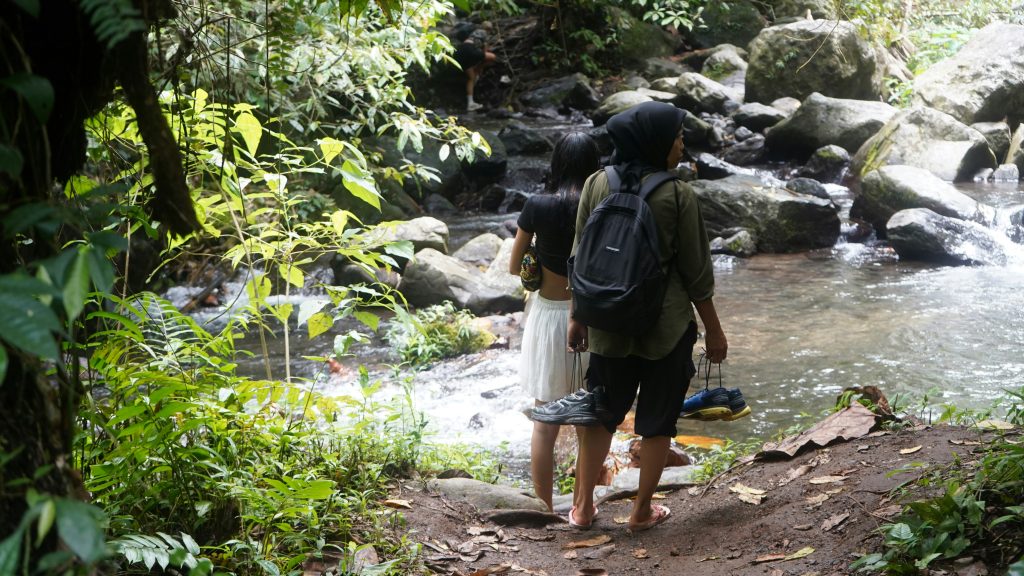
pixel 815 514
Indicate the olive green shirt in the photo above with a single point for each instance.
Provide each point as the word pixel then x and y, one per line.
pixel 685 255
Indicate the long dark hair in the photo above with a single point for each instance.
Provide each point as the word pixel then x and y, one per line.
pixel 575 158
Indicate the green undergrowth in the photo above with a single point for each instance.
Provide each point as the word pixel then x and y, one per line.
pixel 977 511
pixel 208 472
pixel 435 333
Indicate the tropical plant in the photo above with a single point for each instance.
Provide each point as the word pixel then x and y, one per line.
pixel 436 332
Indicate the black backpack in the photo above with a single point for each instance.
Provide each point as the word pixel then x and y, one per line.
pixel 616 277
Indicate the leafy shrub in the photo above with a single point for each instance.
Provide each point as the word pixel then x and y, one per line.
pixel 436 332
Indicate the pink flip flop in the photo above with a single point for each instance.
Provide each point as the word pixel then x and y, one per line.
pixel 659 514
pixel 578 526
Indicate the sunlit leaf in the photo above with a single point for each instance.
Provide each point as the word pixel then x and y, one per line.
pixel 339 218
pixel 330 148
pixel 319 323
pixel 371 320
pixel 316 490
pixel 47 514
pixel 360 183
pixel 126 413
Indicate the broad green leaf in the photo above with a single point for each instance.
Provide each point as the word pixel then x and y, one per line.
pixel 269 567
pixel 11 161
pixel 316 490
pixel 339 218
pixel 10 551
pixel 126 413
pixel 26 216
pixel 29 6
pixel 258 289
pixel 101 271
pixel 35 90
pixel 310 307
pixel 360 184
pixel 3 364
pixel 330 148
pixel 319 323
pixel 27 324
pixel 172 408
pixel 292 274
pixel 403 249
pixel 251 130
pixel 282 312
pixel 76 285
pixel 371 320
pixel 80 526
pixel 190 544
pixel 47 514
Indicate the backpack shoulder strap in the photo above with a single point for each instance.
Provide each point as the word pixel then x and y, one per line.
pixel 614 182
pixel 654 181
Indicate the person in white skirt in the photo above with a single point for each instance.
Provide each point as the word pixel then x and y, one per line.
pixel 546 369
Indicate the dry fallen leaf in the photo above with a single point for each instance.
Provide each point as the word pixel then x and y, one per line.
pixel 888 511
pixel 742 489
pixel 994 425
pixel 496 569
pixel 769 558
pixel 826 479
pixel 754 499
pixel 538 538
pixel 599 553
pixel 595 541
pixel 801 553
pixel 406 504
pixel 833 521
pixel 910 450
pixel 964 442
pixel 863 448
pixel 621 519
pixel 818 500
pixel 640 554
pixel 834 491
pixel 518 568
pixel 708 558
pixel 570 555
pixel 803 527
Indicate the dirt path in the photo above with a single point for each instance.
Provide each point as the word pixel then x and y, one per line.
pixel 818 512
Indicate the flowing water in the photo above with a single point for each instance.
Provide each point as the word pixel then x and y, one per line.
pixel 800 327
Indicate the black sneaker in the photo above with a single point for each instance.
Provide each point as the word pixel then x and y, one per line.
pixel 578 408
pixel 737 405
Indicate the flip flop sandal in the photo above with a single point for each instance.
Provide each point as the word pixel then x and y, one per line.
pixel 578 526
pixel 659 514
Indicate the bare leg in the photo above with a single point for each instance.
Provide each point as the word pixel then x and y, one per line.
pixel 542 461
pixel 594 444
pixel 653 453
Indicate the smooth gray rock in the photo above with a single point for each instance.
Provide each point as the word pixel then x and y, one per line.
pixel 823 121
pixel 572 91
pixel 487 496
pixel 432 278
pixel 726 22
pixel 723 62
pixel 711 167
pixel 480 251
pixel 497 276
pixel 798 59
pixel 781 220
pixel 699 94
pixel 757 116
pixel 997 134
pixel 659 67
pixel 742 244
pixel 787 104
pixel 618 102
pixel 799 8
pixel 808 186
pixel 1015 153
pixel 920 234
pixel 439 205
pixel 749 151
pixel 891 189
pixel 828 164
pixel 520 139
pixel 984 81
pixel 929 139
pixel 423 232
pixel 1006 173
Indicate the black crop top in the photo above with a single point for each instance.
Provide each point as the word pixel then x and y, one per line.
pixel 547 216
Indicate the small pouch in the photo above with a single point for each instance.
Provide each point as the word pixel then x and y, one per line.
pixel 529 270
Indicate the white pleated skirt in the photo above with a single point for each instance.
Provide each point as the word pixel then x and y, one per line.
pixel 545 368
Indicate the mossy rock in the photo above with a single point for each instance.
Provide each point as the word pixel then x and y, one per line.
pixel 727 22
pixel 639 40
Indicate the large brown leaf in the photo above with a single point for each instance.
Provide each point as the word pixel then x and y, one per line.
pixel 849 423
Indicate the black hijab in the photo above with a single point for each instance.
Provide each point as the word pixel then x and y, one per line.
pixel 643 137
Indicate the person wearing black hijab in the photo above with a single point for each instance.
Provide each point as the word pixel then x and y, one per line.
pixel 654 368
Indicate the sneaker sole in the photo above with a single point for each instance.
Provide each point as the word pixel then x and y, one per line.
pixel 745 412
pixel 570 420
pixel 708 414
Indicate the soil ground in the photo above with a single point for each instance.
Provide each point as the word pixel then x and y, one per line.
pixel 830 500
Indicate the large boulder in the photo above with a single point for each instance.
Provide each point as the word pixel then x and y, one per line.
pixel 572 91
pixel 639 40
pixel 496 275
pixel 697 94
pixel 726 22
pixel 984 81
pixel 432 277
pixel 785 9
pixel 757 116
pixel 782 220
pixel 929 139
pixel 423 232
pixel 660 67
pixel 798 59
pixel 890 189
pixel 920 234
pixel 480 251
pixel 520 139
pixel 724 61
pixel 822 121
pixel 618 102
pixel 484 168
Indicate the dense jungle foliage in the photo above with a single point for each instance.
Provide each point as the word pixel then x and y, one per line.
pixel 128 440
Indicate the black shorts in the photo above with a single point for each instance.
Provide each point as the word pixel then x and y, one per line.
pixel 662 384
pixel 468 54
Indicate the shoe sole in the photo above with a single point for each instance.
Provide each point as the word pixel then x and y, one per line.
pixel 570 420
pixel 708 414
pixel 745 412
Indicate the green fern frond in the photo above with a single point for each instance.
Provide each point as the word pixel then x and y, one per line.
pixel 112 20
pixel 163 550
